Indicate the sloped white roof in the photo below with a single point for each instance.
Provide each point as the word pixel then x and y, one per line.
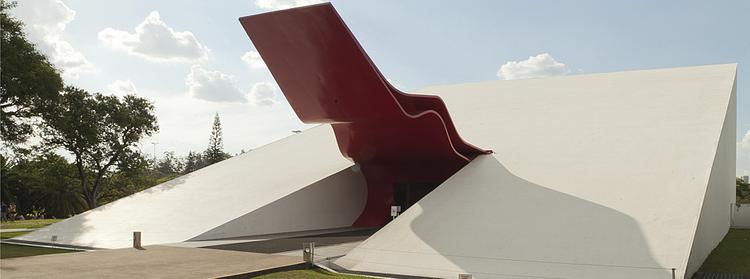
pixel 598 171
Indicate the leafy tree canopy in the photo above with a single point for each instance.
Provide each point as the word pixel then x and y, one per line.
pixel 42 184
pixel 99 131
pixel 29 83
pixel 743 191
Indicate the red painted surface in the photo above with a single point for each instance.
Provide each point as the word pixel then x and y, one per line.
pixel 328 78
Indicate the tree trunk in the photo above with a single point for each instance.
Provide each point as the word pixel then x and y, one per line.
pixel 91 201
pixel 95 190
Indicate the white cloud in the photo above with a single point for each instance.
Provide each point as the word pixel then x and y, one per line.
pixel 45 24
pixel 745 142
pixel 156 41
pixel 253 59
pixel 122 88
pixel 213 86
pixel 542 65
pixel 263 94
pixel 285 4
pixel 743 155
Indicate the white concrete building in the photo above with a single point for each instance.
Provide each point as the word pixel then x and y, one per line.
pixel 614 175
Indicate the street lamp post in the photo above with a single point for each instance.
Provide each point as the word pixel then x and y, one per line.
pixel 154 143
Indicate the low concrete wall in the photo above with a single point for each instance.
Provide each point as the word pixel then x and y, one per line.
pixel 741 216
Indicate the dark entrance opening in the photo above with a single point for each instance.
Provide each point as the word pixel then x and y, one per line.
pixel 407 194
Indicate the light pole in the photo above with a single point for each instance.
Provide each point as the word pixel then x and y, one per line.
pixel 154 143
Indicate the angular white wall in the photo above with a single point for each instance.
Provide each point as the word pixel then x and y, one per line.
pixel 334 202
pixel 593 176
pixel 490 223
pixel 715 214
pixel 618 175
pixel 230 198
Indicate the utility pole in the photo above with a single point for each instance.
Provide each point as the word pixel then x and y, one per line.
pixel 154 143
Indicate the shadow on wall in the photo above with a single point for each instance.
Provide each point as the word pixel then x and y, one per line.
pixel 490 223
pixel 166 186
pixel 333 202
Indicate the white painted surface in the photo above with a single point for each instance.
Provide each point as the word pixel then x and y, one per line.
pixel 741 216
pixel 202 201
pixel 602 169
pixel 333 202
pixel 715 214
pixel 489 222
pixel 594 176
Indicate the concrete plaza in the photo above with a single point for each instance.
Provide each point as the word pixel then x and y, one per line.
pixel 150 262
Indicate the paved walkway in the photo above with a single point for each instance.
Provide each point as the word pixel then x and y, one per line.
pixel 281 245
pixel 151 262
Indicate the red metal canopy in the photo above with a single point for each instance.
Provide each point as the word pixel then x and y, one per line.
pixel 328 78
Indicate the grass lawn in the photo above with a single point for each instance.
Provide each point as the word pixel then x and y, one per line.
pixel 15 251
pixel 28 224
pixel 732 255
pixel 308 273
pixel 6 235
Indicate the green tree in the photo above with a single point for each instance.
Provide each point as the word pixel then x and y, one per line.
pixel 43 183
pixel 215 152
pixel 100 132
pixel 134 175
pixel 743 191
pixel 56 185
pixel 11 182
pixel 193 162
pixel 169 165
pixel 29 84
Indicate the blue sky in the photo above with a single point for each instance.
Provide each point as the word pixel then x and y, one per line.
pixel 185 50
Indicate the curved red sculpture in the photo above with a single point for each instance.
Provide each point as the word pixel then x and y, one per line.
pixel 328 78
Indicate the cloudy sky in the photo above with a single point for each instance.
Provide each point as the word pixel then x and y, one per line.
pixel 192 58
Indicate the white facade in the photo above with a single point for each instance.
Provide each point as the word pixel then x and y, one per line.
pixel 616 175
pixel 298 183
pixel 741 216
